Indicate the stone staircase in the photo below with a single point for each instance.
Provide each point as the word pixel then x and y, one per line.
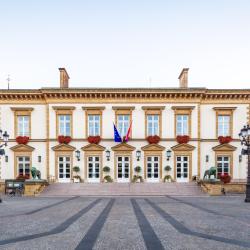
pixel 121 189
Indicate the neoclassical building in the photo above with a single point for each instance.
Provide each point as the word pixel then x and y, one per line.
pixel 198 115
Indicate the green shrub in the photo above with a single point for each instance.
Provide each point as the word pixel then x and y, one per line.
pixel 167 177
pixel 137 169
pixel 76 169
pixel 108 178
pixel 106 169
pixel 167 168
pixel 137 177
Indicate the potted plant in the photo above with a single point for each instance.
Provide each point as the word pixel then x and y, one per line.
pixel 23 177
pixel 153 139
pixel 22 139
pixel 94 139
pixel 137 179
pixel 224 139
pixel 64 139
pixel 167 178
pixel 106 169
pixel 76 177
pixel 225 178
pixel 108 179
pixel 182 139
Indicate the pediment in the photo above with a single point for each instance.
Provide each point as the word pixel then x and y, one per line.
pixel 224 147
pixel 22 148
pixel 93 147
pixel 123 147
pixel 63 147
pixel 183 147
pixel 153 147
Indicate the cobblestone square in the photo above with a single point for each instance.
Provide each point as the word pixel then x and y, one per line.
pixel 166 222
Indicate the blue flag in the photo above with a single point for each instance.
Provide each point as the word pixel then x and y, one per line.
pixel 117 136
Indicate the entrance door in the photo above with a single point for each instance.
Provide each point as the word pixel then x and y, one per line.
pixel 153 168
pixel 123 166
pixel 182 163
pixel 94 169
pixel 64 168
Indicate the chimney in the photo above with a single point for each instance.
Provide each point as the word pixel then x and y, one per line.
pixel 183 77
pixel 64 78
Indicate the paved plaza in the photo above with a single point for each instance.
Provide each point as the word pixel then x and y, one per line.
pixel 166 222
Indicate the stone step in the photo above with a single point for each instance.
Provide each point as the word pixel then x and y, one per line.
pixel 121 189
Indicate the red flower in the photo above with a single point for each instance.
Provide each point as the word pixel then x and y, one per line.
pixel 22 139
pixel 64 139
pixel 153 139
pixel 224 139
pixel 182 139
pixel 94 139
pixel 23 177
pixel 225 178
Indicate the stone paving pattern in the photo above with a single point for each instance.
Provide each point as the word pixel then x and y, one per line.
pixel 163 222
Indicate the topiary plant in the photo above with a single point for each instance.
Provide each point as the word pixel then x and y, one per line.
pixel 137 169
pixel 108 179
pixel 167 168
pixel 76 169
pixel 167 178
pixel 106 169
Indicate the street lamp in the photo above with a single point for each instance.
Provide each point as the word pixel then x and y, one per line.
pixel 5 137
pixel 245 141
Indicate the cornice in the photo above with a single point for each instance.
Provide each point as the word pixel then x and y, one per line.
pixel 48 95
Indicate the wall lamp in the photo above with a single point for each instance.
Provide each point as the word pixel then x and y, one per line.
pixel 77 152
pixel 240 158
pixel 107 155
pixel 39 158
pixel 207 158
pixel 168 154
pixel 138 155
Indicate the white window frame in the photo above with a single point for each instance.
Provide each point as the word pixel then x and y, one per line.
pixel 223 125
pixel 182 125
pixel 94 125
pixel 153 122
pixel 223 162
pixel 63 123
pixel 123 124
pixel 23 163
pixel 23 125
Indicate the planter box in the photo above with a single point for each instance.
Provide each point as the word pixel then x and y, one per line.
pixel 215 189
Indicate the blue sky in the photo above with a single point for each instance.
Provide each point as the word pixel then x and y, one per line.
pixel 125 43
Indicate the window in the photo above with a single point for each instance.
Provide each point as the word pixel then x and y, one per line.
pixel 152 125
pixel 224 121
pixel 93 125
pixel 182 125
pixel 223 165
pixel 223 125
pixel 23 125
pixel 22 121
pixel 64 125
pixel 122 124
pixel 23 165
